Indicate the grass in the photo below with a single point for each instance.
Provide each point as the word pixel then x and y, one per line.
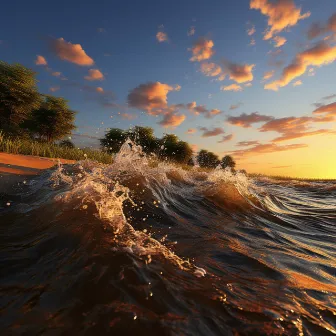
pixel 289 178
pixel 36 148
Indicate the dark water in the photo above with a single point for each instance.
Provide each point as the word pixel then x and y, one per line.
pixel 139 249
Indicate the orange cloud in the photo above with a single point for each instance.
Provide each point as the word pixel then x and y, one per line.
pixel 211 132
pixel 151 97
pixel 200 109
pixel 128 116
pixel 232 87
pixel 279 41
pixel 318 55
pixel 211 69
pixel 191 31
pixel 54 89
pixel 56 74
pixel 40 60
pixel 161 37
pixel 268 74
pixel 281 14
pixel 94 74
pixel 202 50
pixel 240 73
pixel 99 89
pixel 329 109
pixel 291 136
pixel 253 42
pixel 73 53
pixel 246 120
pixel 226 138
pixel 172 120
pixel 234 107
pixel 251 31
pixel 317 29
pixel 287 124
pixel 191 131
pixel 267 148
pixel 297 83
pixel 247 143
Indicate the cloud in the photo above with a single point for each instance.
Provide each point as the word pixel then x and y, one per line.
pixel 199 109
pixel 287 124
pixel 161 37
pixel 101 30
pixel 281 14
pixel 240 73
pixel 99 89
pixel 279 41
pixel 317 29
pixel 94 74
pixel 250 31
pixel 211 69
pixel 128 116
pixel 318 55
pixel 234 107
pixel 281 167
pixel 329 97
pixel 150 97
pixel 248 84
pixel 247 143
pixel 329 109
pixel 202 50
pixel 253 42
pixel 56 74
pixel 172 120
pixel 246 120
pixel 226 138
pixel 73 53
pixel 211 132
pixel 232 87
pixel 54 88
pixel 40 60
pixel 191 131
pixel 191 31
pixel 268 74
pixel 267 148
pixel 297 83
pixel 291 136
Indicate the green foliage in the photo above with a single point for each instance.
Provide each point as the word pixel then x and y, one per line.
pixel 207 159
pixel 18 96
pixel 143 136
pixel 67 144
pixel 44 149
pixel 113 140
pixel 227 161
pixel 53 120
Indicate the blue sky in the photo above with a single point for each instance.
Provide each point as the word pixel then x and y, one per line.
pixel 120 38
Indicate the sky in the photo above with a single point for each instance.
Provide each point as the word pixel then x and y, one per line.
pixel 250 78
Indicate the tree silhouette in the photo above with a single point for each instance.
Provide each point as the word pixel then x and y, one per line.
pixel 227 161
pixel 207 159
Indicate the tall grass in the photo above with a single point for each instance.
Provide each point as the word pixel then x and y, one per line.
pixel 31 147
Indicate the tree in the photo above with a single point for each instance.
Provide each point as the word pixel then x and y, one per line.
pixel 53 120
pixel 227 161
pixel 67 144
pixel 113 140
pixel 171 147
pixel 18 96
pixel 143 136
pixel 207 159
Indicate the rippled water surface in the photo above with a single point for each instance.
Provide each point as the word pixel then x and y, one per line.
pixel 137 248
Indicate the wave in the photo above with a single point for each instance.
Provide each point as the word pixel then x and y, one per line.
pixel 146 246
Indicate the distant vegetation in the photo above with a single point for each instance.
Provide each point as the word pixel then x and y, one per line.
pixel 31 123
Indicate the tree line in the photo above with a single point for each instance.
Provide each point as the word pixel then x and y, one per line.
pixel 24 112
pixel 169 147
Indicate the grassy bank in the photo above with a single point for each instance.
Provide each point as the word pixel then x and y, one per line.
pixel 36 148
pixel 290 178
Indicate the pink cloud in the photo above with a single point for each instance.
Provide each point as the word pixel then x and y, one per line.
pixel 171 120
pixel 94 74
pixel 279 41
pixel 161 37
pixel 211 132
pixel 40 60
pixel 226 138
pixel 232 87
pixel 317 29
pixel 191 131
pixel 73 53
pixel 246 120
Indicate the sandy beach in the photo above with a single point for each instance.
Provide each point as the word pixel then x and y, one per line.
pixel 17 168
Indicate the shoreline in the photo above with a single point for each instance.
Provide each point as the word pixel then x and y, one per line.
pixel 16 168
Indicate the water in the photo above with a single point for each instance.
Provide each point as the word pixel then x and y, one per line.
pixel 140 248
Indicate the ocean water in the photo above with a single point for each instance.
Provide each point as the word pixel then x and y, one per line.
pixel 137 248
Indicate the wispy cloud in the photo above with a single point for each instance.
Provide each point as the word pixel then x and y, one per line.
pixel 246 120
pixel 211 132
pixel 226 138
pixel 232 87
pixel 317 29
pixel 191 31
pixel 279 41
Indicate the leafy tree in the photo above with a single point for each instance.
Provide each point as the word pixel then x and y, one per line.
pixel 227 161
pixel 53 120
pixel 143 136
pixel 18 95
pixel 113 140
pixel 171 147
pixel 67 144
pixel 207 159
